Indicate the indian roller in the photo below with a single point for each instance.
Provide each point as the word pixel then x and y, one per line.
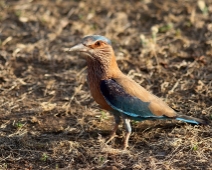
pixel 118 93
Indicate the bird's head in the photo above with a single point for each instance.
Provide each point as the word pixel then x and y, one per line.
pixel 97 48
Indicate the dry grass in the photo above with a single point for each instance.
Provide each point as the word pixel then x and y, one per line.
pixel 48 119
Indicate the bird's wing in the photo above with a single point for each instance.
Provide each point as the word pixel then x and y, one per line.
pixel 120 100
pixel 156 105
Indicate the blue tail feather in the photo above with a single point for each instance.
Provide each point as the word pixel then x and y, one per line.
pixel 188 121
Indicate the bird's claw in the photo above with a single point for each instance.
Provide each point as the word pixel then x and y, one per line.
pixel 125 146
pixel 111 138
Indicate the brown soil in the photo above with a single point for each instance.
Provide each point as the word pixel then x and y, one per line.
pixel 48 119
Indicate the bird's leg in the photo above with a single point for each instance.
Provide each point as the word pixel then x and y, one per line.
pixel 113 133
pixel 129 130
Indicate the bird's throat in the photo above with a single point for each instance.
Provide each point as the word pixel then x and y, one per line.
pixel 97 71
pixel 101 70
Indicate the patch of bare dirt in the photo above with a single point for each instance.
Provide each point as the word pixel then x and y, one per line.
pixel 48 119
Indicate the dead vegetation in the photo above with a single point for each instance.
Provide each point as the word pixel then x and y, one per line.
pixel 48 119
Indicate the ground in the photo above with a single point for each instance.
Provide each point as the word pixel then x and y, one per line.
pixel 48 120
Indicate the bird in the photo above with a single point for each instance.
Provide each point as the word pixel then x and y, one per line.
pixel 119 94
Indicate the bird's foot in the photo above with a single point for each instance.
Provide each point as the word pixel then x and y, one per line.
pixel 113 135
pixel 126 140
pixel 125 146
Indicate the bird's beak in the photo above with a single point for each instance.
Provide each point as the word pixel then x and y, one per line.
pixel 79 47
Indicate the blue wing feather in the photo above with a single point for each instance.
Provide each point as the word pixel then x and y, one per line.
pixel 123 102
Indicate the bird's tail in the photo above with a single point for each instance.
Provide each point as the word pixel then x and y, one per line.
pixel 191 120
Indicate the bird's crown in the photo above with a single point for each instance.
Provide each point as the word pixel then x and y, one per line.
pixel 94 38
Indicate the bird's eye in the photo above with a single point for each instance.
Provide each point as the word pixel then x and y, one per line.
pixel 98 43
